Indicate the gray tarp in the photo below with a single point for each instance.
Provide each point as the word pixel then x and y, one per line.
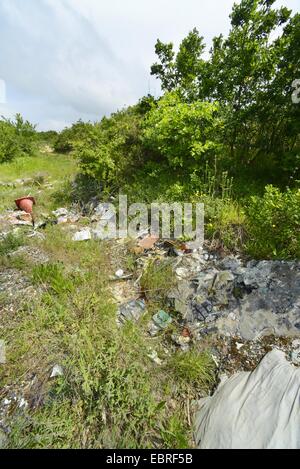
pixel 258 409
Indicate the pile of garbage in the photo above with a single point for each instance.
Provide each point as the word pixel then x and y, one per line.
pixel 214 293
pixel 236 298
pixel 232 297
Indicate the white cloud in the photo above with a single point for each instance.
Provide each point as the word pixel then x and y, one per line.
pixel 66 59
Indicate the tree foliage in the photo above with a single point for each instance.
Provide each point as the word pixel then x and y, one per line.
pixel 17 138
pixel 250 74
pixel 185 134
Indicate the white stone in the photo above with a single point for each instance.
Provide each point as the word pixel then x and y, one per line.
pixel 83 235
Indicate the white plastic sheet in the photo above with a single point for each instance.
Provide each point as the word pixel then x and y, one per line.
pixel 253 410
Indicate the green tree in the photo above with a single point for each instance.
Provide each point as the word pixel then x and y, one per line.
pixel 182 69
pixel 250 74
pixel 9 147
pixel 26 135
pixel 17 138
pixel 184 134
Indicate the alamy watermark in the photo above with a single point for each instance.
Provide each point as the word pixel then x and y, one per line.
pixel 2 92
pixel 163 220
pixel 296 92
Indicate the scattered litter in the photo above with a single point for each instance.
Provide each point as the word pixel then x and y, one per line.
pixel 60 212
pixel 131 310
pixel 182 272
pixel 154 357
pixel 296 344
pixel 201 311
pixel 148 242
pixel 18 217
pixel 239 345
pixel 2 353
pixel 119 273
pixel 83 235
pixel 24 216
pixel 57 371
pixel 186 332
pixel 22 403
pixel 137 250
pixel 160 321
pixel 295 353
pixel 65 216
pixel 62 219
pixel 36 234
pixel 182 341
pixel 103 212
pixel 295 357
pixel 21 222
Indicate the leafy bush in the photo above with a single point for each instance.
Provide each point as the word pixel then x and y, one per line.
pixel 17 138
pixel 95 156
pixel 110 150
pixel 49 136
pixel 67 138
pixel 26 135
pixel 9 148
pixel 274 224
pixel 185 134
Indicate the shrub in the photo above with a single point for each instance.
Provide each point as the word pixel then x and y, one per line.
pixel 111 150
pixel 274 224
pixel 49 136
pixel 9 147
pixel 26 135
pixel 67 138
pixel 185 134
pixel 17 138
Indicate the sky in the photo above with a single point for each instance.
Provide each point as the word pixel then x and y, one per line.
pixel 62 60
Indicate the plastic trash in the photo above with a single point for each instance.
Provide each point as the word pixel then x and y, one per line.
pixel 132 310
pixel 160 321
pixel 83 235
pixel 57 371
